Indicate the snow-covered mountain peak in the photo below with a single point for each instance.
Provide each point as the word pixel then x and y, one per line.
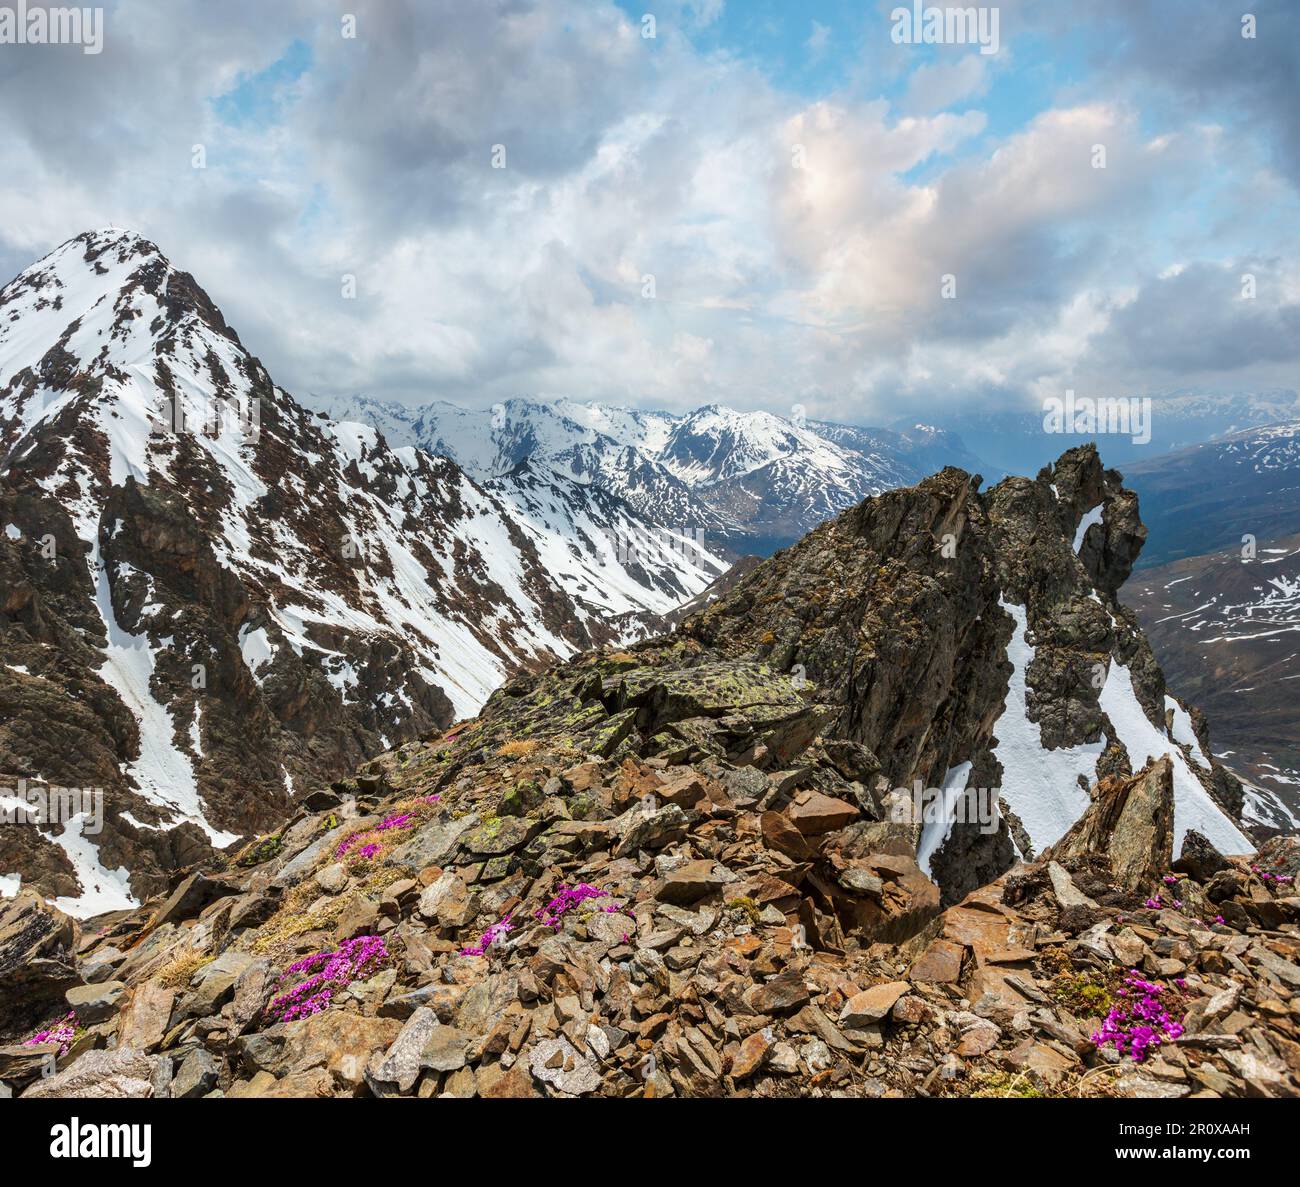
pixel 75 299
pixel 716 443
pixel 244 597
pixel 751 481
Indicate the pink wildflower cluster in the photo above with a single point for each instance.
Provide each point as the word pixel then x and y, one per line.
pixel 1171 879
pixel 569 897
pixel 552 915
pixel 368 850
pixel 498 931
pixel 328 972
pixel 62 1032
pixel 1269 876
pixel 1141 1021
pixel 1156 903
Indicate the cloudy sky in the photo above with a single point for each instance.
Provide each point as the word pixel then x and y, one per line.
pixel 797 184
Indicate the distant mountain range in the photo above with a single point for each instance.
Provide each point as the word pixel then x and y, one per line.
pixel 1014 441
pixel 1211 495
pixel 747 481
pixel 1226 629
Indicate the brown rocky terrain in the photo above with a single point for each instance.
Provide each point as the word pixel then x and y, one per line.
pixel 725 932
pixel 682 869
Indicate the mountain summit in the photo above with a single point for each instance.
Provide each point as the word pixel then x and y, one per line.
pixel 749 482
pixel 215 598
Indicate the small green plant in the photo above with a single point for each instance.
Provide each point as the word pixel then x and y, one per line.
pixel 261 851
pixel 746 906
pixel 1083 994
pixel 1005 1086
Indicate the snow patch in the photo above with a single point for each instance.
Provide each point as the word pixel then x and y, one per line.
pixel 935 832
pixel 164 775
pixel 256 649
pixel 1093 516
pixel 1193 806
pixel 101 890
pixel 1041 786
pixel 1183 732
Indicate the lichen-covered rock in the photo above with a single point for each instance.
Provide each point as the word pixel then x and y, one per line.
pixel 1131 824
pixel 37 964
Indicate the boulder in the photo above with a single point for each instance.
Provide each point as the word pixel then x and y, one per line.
pixel 693 881
pixel 871 1005
pixel 37 964
pixel 121 1073
pixel 1130 822
pixel 197 1075
pixel 145 1020
pixel 95 1003
pixel 1199 859
pixel 813 813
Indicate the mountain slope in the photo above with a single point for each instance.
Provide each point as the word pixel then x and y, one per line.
pixel 1212 495
pixel 681 868
pixel 973 641
pixel 1227 631
pixel 223 597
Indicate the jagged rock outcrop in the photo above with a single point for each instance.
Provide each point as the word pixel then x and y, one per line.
pixel 1130 824
pixel 948 627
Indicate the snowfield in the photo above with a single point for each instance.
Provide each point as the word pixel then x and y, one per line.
pixel 1042 786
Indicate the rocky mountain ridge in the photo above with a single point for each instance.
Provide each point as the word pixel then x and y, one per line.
pixel 214 598
pixel 691 867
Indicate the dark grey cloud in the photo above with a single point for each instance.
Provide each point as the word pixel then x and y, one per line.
pixel 1192 55
pixel 1198 321
pixel 627 158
